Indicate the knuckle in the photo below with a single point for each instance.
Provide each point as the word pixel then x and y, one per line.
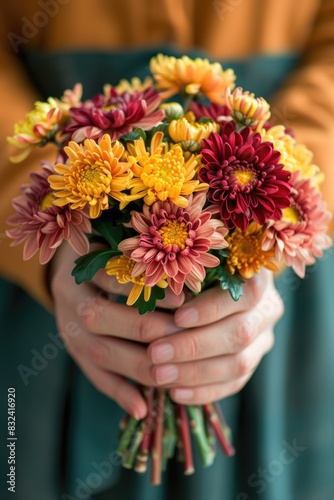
pixel 146 330
pixel 244 364
pixel 97 353
pixel 142 373
pixel 191 348
pixel 244 333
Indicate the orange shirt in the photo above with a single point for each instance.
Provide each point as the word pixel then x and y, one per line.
pixel 225 29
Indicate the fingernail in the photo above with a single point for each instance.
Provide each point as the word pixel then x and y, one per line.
pixel 166 374
pixel 183 394
pixel 162 353
pixel 186 317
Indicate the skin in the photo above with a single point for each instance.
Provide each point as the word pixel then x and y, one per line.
pixel 207 350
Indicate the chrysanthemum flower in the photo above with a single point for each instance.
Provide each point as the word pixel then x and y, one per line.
pixel 217 112
pixel 300 235
pixel 71 98
pixel 94 172
pixel 294 156
pixel 133 85
pixel 246 181
pixel 40 122
pixel 246 109
pixel 122 267
pixel 187 129
pixel 162 173
pixel 246 255
pixel 174 242
pixel 115 113
pixel 43 226
pixel 191 76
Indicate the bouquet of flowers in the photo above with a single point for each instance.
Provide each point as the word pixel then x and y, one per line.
pixel 187 195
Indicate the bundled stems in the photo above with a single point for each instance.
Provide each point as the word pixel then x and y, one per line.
pixel 166 426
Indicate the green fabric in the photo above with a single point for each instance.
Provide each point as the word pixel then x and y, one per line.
pixel 289 400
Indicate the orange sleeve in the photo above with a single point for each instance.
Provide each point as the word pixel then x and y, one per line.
pixel 17 98
pixel 306 102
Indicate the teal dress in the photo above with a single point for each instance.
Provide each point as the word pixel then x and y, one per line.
pixel 282 421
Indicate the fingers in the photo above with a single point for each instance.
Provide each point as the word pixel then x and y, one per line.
pixel 210 393
pixel 218 369
pixel 115 387
pixel 230 335
pixel 215 304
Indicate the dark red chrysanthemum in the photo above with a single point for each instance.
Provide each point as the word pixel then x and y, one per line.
pixel 217 112
pixel 115 114
pixel 246 181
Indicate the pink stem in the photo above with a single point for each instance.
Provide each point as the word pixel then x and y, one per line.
pixel 157 439
pixel 184 431
pixel 213 418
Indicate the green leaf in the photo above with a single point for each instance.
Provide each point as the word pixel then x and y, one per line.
pixel 136 134
pixel 106 227
pixel 143 307
pixel 231 283
pixel 163 127
pixel 96 238
pixel 87 266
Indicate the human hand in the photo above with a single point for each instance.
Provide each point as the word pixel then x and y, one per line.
pixel 221 344
pixel 108 340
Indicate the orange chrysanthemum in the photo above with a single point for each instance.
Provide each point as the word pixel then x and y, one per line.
pixel 121 268
pixel 246 256
pixel 162 173
pixel 94 172
pixel 191 76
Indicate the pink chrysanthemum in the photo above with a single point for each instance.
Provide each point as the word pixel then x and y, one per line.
pixel 246 181
pixel 115 113
pixel 175 242
pixel 300 235
pixel 42 225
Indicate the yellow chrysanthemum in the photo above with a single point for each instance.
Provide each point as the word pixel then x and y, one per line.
pixel 34 129
pixel 246 256
pixel 162 173
pixel 191 76
pixel 295 157
pixel 121 268
pixel 187 129
pixel 129 85
pixel 94 172
pixel 247 109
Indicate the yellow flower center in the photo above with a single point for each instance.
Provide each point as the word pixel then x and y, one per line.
pixel 291 214
pixel 244 177
pixel 91 175
pixel 46 201
pixel 165 173
pixel 174 233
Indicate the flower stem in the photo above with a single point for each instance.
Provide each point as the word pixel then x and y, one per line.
pixel 129 458
pixel 197 426
pixel 127 436
pixel 143 455
pixel 183 424
pixel 219 428
pixel 157 439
